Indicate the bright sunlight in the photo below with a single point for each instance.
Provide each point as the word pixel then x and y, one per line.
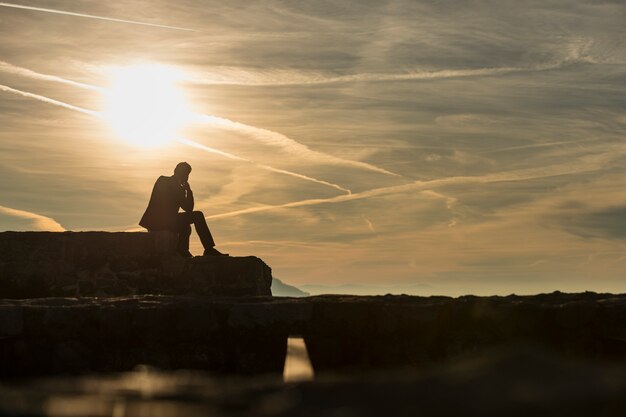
pixel 144 106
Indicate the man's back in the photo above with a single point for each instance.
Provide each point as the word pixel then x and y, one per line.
pixel 165 201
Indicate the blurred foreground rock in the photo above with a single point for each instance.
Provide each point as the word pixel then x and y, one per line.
pixel 527 383
pixel 69 264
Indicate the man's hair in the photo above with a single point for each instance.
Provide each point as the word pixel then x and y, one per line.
pixel 183 167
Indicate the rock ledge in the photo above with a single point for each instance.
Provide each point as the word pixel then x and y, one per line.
pixel 76 264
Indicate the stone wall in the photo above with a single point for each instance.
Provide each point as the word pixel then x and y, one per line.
pixel 74 264
pixel 65 335
pixel 216 314
pixel 347 334
pixel 343 334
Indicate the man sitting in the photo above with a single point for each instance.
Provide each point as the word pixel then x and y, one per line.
pixel 168 195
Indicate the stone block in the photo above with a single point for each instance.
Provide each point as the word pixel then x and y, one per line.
pixel 343 334
pixel 11 321
pixel 50 264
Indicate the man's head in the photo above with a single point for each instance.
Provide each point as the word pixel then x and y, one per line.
pixel 181 172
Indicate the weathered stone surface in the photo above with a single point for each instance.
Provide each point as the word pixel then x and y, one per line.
pixel 364 333
pixel 64 335
pixel 70 264
pixel 530 383
pixel 343 334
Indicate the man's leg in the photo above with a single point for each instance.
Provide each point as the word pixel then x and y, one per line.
pixel 202 229
pixel 183 228
pixel 205 235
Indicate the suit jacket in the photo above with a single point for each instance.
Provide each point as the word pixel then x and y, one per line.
pixel 167 197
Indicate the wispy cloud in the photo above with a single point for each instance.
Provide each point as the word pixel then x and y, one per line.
pixel 48 100
pixel 25 72
pixel 37 221
pixel 287 144
pixel 277 77
pixel 280 77
pixel 91 16
pixel 180 140
pixel 263 166
pixel 265 136
pixel 369 224
pixel 511 113
pixel 590 163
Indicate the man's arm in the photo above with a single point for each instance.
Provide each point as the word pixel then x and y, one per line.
pixel 187 203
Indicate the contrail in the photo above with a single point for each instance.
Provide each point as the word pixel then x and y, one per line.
pixel 25 72
pixel 541 145
pixel 91 16
pixel 278 77
pixel 49 101
pixel 594 162
pixel 267 167
pixel 211 150
pixel 181 140
pixel 317 201
pixel 235 76
pixel 289 145
pixel 266 136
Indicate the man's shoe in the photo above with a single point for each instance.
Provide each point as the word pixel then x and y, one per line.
pixel 185 254
pixel 213 252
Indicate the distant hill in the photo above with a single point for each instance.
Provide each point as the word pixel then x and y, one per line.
pixel 280 289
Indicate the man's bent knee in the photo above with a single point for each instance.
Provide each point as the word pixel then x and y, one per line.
pixel 197 214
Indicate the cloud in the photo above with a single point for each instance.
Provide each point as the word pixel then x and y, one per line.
pixel 181 140
pixel 263 135
pixel 33 220
pixel 25 72
pixel 279 77
pixel 502 110
pixel 90 16
pixel 48 100
pixel 608 223
pixel 263 166
pixel 591 163
pixel 369 224
pixel 287 144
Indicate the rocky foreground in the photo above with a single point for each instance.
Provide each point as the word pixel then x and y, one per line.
pixel 342 333
pixel 103 264
pixel 84 310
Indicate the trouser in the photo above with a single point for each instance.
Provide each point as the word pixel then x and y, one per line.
pixel 183 228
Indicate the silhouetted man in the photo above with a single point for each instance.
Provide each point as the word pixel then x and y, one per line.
pixel 168 195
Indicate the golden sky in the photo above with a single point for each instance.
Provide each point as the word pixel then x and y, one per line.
pixel 427 147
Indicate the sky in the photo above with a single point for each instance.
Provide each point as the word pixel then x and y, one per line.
pixel 422 147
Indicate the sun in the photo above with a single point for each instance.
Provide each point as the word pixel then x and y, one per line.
pixel 144 105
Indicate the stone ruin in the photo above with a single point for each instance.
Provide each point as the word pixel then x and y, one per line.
pixel 102 264
pixel 107 302
pixel 85 309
